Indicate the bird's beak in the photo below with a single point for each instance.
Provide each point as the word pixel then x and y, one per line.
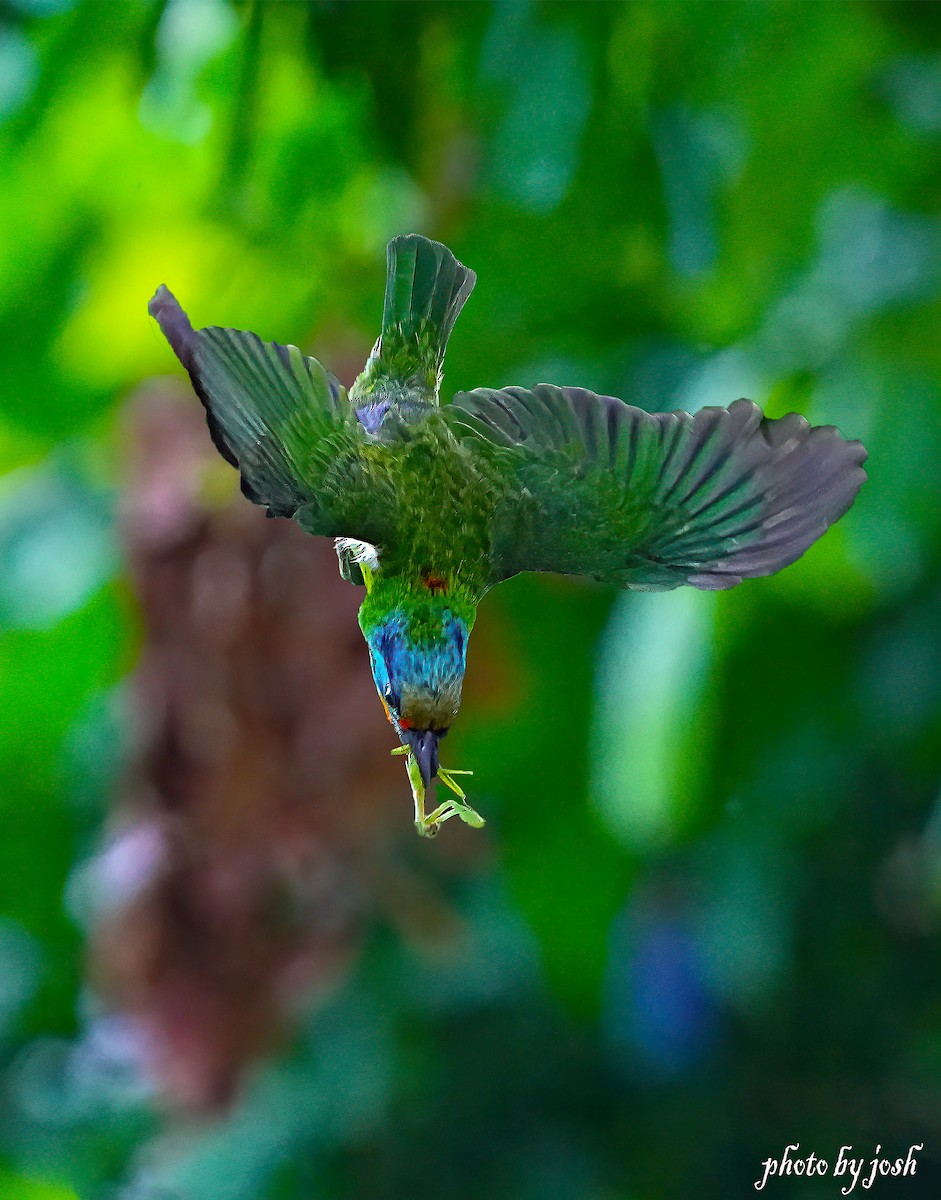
pixel 424 745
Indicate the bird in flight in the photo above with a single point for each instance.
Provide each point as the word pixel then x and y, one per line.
pixel 432 504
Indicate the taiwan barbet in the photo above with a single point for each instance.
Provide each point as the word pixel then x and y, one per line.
pixel 432 504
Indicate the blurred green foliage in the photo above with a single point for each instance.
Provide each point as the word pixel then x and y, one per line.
pixel 710 924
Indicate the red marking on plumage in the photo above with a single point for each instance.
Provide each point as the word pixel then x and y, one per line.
pixel 405 723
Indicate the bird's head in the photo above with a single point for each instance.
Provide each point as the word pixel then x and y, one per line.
pixel 417 649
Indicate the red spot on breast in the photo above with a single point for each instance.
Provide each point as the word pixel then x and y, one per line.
pixel 435 583
pixel 405 723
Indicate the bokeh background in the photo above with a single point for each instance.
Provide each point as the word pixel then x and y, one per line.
pixel 702 920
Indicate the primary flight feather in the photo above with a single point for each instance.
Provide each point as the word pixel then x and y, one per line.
pixel 431 505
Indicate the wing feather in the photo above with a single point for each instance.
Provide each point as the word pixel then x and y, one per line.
pixel 655 500
pixel 276 415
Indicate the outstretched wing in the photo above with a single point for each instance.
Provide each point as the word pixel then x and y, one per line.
pixel 589 485
pixel 279 417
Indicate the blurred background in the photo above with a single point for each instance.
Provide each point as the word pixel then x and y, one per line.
pixel 702 921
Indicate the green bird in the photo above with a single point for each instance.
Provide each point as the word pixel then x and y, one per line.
pixel 432 504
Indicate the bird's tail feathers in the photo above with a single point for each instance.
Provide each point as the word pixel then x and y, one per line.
pixel 426 288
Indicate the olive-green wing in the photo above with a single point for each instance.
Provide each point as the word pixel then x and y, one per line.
pixel 281 418
pixel 589 485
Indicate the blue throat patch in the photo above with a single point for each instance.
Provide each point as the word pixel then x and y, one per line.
pixel 398 664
